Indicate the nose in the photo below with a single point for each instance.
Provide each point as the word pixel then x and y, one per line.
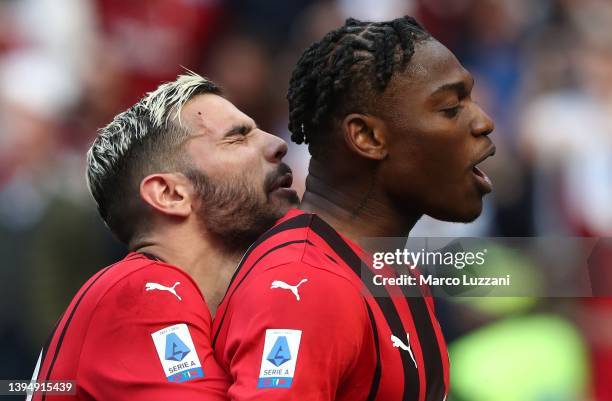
pixel 275 148
pixel 482 124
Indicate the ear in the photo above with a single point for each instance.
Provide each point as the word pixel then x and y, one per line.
pixel 365 135
pixel 167 193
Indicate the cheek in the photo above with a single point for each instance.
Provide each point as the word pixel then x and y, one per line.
pixel 250 170
pixel 252 177
pixel 429 169
pixel 432 156
pixel 243 163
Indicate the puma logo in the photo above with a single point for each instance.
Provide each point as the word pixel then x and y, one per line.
pixel 156 286
pixel 285 286
pixel 397 343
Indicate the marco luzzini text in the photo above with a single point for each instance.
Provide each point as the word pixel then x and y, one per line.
pixel 433 260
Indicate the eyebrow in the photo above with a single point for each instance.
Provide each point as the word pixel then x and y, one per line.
pixel 459 87
pixel 240 129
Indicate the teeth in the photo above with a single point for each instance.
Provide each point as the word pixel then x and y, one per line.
pixel 482 174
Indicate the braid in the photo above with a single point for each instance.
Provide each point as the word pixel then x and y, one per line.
pixel 385 44
pixel 342 57
pixel 301 80
pixel 407 32
pixel 340 72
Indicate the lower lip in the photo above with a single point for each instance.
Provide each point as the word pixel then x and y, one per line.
pixel 482 180
pixel 284 192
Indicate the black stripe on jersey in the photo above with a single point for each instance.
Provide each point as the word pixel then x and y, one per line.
pixel 344 251
pixel 330 258
pixel 436 388
pixel 48 343
pixel 377 370
pixel 299 221
pixel 276 248
pixel 65 328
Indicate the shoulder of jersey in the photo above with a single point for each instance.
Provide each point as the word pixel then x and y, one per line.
pixel 136 277
pixel 295 258
pixel 300 248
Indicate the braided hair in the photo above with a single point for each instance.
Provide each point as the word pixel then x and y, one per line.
pixel 343 73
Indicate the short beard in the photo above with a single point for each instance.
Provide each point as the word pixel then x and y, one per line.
pixel 232 211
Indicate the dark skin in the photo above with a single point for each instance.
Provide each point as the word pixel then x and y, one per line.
pixel 415 155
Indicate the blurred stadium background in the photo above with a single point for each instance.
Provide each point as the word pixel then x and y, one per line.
pixel 543 70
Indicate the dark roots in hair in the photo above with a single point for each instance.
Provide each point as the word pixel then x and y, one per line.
pixel 344 71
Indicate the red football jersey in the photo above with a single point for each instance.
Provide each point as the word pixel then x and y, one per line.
pixel 300 322
pixel 137 330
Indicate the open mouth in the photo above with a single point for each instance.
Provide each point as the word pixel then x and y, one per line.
pixel 482 179
pixel 283 181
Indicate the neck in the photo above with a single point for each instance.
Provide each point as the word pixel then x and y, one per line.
pixel 208 264
pixel 358 210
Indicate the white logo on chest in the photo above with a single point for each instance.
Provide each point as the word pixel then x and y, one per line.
pixel 156 286
pixel 397 343
pixel 285 286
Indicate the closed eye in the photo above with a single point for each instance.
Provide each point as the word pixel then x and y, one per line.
pixel 239 130
pixel 452 112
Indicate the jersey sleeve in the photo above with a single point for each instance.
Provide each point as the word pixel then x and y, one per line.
pixel 295 332
pixel 149 339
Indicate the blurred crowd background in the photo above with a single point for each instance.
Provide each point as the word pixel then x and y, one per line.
pixel 543 71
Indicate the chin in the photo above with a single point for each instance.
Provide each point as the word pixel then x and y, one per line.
pixel 467 218
pixel 464 214
pixel 281 207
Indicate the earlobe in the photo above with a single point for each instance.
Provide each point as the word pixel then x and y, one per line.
pixel 166 194
pixel 365 135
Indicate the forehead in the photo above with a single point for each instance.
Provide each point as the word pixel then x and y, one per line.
pixel 211 114
pixel 431 67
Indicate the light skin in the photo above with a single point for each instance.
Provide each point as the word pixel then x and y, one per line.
pixel 413 156
pixel 226 146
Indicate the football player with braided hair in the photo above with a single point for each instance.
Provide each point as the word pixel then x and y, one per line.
pixel 394 134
